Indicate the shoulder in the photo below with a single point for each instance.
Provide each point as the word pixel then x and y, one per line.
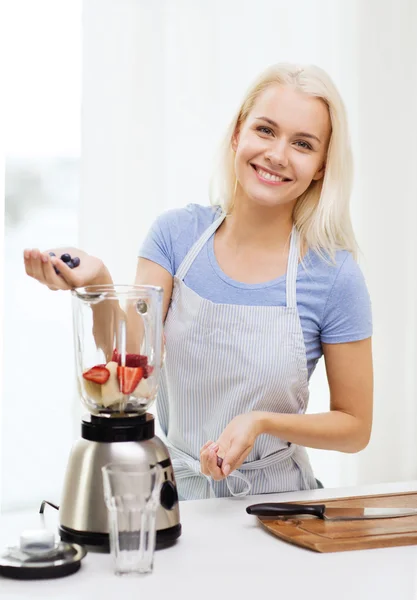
pixel 346 309
pixel 174 232
pixel 341 270
pixel 191 221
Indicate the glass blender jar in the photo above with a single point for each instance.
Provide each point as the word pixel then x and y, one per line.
pixel 118 347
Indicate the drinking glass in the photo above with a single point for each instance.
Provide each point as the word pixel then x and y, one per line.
pixel 132 496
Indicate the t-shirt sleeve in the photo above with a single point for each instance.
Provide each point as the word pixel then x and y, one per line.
pixel 157 245
pixel 347 315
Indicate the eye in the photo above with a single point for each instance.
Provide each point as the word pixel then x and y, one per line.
pixel 265 130
pixel 304 145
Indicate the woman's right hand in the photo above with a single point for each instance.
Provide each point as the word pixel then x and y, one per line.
pixel 40 266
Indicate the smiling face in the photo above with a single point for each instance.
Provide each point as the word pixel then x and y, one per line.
pixel 281 146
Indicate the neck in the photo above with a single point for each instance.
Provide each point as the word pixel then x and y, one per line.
pixel 254 226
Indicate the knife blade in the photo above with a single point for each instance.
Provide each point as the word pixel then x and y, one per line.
pixel 278 509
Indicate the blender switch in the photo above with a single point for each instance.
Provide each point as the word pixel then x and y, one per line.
pixel 169 495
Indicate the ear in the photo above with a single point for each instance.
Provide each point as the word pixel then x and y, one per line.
pixel 235 140
pixel 320 173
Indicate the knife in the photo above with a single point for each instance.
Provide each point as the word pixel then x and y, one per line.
pixel 277 509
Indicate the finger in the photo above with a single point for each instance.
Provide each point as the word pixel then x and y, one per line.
pixel 221 452
pixel 234 458
pixel 70 278
pixel 206 445
pixel 53 281
pixel 203 464
pixel 215 471
pixel 205 458
pixel 27 261
pixel 36 266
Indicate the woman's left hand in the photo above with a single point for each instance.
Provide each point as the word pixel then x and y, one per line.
pixel 233 446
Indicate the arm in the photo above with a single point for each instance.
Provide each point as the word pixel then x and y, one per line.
pixel 346 427
pixel 147 273
pixel 150 273
pixel 92 271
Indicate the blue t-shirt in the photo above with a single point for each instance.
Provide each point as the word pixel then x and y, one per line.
pixel 332 299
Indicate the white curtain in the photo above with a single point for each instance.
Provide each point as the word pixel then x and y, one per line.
pixel 160 81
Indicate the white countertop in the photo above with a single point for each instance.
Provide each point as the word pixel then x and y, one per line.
pixel 223 553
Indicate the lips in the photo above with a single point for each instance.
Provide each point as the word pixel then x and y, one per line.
pixel 269 176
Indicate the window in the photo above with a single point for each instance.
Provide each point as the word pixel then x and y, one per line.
pixel 43 83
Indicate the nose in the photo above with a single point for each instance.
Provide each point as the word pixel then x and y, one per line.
pixel 276 154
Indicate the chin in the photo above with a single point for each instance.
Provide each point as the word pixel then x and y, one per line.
pixel 267 202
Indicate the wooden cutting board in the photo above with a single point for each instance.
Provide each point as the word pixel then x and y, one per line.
pixel 327 536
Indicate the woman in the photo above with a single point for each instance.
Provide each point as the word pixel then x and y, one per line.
pixel 257 288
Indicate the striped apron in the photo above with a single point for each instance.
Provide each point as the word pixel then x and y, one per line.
pixel 223 360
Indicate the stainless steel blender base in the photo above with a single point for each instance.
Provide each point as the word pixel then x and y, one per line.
pixel 99 542
pixel 83 513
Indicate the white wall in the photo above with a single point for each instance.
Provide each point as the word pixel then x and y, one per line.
pixel 159 149
pixel 385 211
pixel 160 81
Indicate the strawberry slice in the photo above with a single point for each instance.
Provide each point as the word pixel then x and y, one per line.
pixel 147 370
pixel 129 378
pixel 135 360
pixel 97 374
pixel 132 360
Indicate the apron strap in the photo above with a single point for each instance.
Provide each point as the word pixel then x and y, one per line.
pixel 186 466
pixel 196 248
pixel 292 269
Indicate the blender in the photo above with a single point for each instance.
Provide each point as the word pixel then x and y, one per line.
pixel 118 353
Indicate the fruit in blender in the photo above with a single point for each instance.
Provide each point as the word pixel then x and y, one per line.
pixel 110 391
pixel 132 360
pixel 99 374
pixel 92 390
pixel 142 390
pixel 148 370
pixel 129 378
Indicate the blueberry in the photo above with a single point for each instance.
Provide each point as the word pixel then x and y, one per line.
pixel 52 254
pixel 76 261
pixel 70 264
pixel 66 258
pixel 56 270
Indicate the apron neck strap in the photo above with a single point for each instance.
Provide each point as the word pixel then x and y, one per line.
pixel 292 267
pixel 197 247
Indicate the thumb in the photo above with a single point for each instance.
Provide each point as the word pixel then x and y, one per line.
pixel 234 458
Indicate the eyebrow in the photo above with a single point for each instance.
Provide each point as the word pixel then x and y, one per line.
pixel 300 133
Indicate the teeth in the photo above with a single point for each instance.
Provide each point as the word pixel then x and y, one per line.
pixel 268 176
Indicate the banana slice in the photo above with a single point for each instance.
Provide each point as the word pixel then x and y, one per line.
pixel 110 392
pixel 92 390
pixel 142 390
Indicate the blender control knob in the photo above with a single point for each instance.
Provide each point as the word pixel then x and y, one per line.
pixel 169 495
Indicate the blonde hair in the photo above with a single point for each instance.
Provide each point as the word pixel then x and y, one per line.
pixel 321 214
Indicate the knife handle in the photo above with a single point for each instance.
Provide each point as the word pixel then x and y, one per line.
pixel 277 509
